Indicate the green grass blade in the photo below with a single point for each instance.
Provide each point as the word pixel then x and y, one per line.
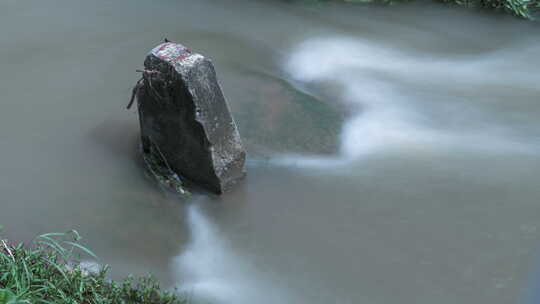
pixel 79 246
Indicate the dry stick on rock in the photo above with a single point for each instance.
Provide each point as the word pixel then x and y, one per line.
pixel 147 75
pixel 170 177
pixel 161 154
pixel 134 92
pixel 140 84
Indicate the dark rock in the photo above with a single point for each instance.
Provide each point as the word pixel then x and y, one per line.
pixel 184 114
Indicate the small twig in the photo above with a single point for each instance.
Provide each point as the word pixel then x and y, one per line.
pixel 149 72
pixel 169 178
pixel 146 78
pixel 154 90
pixel 161 154
pixel 8 250
pixel 134 92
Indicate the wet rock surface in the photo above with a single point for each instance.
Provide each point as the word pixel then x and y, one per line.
pixel 183 113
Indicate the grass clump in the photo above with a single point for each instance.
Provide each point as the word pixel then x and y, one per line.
pixel 49 271
pixel 528 9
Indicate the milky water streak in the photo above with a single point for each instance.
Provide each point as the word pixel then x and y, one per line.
pixel 382 116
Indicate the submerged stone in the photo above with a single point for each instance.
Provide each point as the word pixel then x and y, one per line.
pixel 184 115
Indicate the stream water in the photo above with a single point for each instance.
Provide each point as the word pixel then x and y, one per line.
pixel 394 152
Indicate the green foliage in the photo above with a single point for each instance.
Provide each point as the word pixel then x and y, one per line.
pixel 521 8
pixel 527 9
pixel 377 1
pixel 7 297
pixel 49 272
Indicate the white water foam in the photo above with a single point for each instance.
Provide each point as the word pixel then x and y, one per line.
pixel 382 119
pixel 210 271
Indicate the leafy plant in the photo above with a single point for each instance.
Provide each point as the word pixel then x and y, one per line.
pixel 527 9
pixel 7 297
pixel 521 8
pixel 49 271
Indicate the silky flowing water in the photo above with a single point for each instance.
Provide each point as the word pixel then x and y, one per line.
pixel 394 152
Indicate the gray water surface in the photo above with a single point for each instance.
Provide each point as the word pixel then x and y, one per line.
pixel 394 152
